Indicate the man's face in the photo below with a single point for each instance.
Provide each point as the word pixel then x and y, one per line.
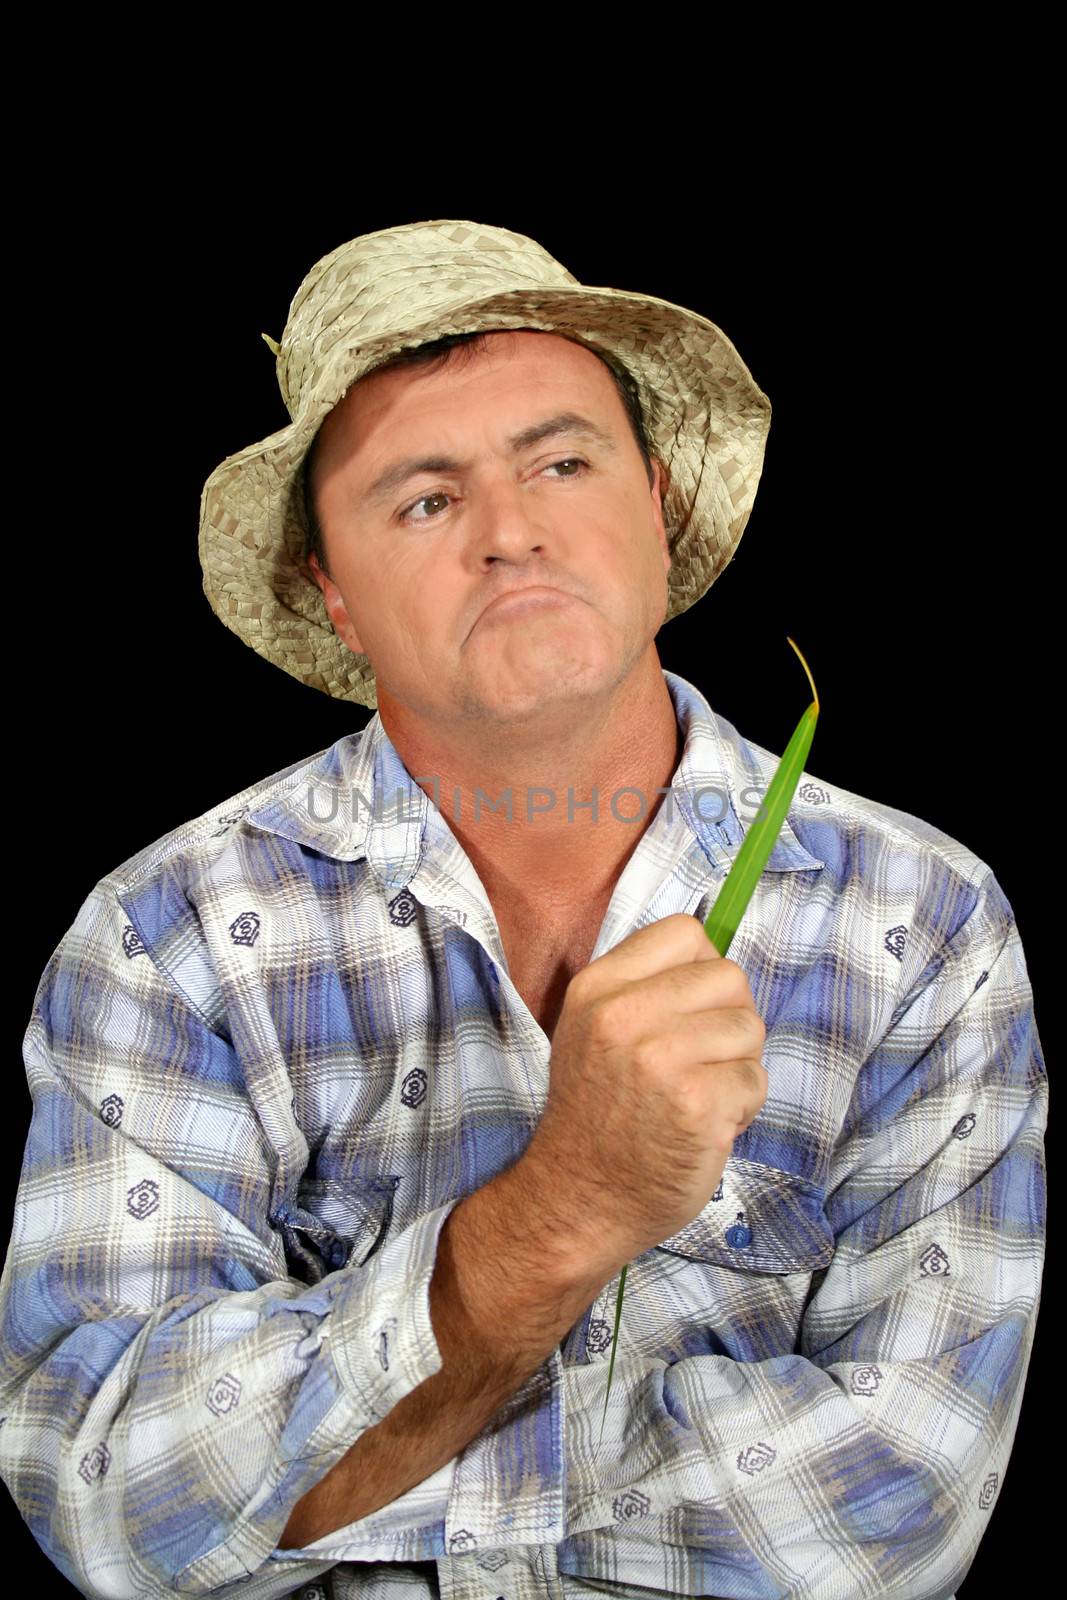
pixel 418 564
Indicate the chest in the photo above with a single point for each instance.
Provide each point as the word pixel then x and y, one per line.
pixel 542 962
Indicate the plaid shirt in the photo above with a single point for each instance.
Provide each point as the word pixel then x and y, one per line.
pixel 278 1046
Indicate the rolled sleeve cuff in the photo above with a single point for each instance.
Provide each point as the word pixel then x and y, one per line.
pixel 509 1486
pixel 376 1345
pixel 380 1335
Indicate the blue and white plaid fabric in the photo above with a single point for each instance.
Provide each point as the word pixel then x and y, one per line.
pixel 278 1046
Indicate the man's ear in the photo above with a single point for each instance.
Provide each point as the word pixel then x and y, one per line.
pixel 336 609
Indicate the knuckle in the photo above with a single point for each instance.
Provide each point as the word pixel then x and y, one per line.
pixel 579 984
pixel 697 937
pixel 606 1018
pixel 647 1055
pixel 740 981
pixel 745 1024
pixel 758 1079
pixel 752 1080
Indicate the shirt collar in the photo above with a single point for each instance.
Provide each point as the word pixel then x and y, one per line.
pixel 358 799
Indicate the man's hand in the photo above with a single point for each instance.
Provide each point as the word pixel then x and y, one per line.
pixel 656 1067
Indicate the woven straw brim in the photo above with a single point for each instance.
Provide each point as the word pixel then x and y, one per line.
pixel 706 418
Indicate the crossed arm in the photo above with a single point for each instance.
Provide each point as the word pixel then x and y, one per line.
pixel 155 1350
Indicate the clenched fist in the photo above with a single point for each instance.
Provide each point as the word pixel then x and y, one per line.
pixel 655 1069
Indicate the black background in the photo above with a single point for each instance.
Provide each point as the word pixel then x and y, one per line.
pixel 892 320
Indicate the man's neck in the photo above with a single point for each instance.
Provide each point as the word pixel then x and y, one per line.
pixel 558 852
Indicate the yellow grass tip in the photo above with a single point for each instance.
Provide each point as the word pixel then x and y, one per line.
pixel 811 680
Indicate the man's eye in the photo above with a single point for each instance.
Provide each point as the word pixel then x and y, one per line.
pixel 439 494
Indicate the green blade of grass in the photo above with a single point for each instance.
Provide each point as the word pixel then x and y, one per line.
pixel 611 1365
pixel 732 899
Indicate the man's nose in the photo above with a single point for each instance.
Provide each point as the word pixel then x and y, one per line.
pixel 508 521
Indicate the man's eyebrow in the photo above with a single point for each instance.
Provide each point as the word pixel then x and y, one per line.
pixel 572 422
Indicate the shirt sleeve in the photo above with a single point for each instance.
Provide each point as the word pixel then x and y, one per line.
pixel 866 1463
pixel 168 1391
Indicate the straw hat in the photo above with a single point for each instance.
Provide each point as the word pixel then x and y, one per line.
pixel 381 292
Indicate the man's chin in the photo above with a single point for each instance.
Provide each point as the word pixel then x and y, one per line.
pixel 539 687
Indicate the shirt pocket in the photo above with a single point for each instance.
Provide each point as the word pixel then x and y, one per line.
pixel 762 1225
pixel 332 1223
pixel 760 1219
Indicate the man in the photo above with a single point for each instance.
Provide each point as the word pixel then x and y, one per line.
pixel 353 1096
pixel 517 624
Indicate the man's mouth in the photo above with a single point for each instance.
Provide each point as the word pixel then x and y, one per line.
pixel 519 600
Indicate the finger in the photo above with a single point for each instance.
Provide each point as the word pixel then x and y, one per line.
pixel 650 1007
pixel 656 948
pixel 706 1038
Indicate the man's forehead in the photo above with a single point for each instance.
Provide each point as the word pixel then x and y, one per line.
pixel 370 410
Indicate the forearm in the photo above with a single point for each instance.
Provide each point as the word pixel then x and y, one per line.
pixel 500 1302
